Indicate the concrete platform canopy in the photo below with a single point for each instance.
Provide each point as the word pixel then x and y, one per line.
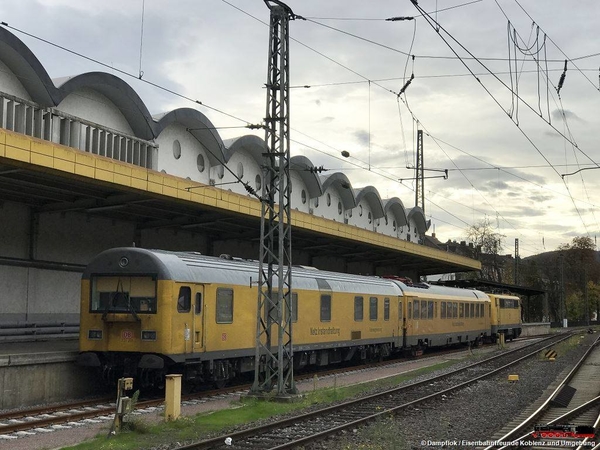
pixel 85 167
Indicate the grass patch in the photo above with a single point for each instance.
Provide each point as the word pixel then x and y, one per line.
pixel 562 348
pixel 139 434
pixel 382 434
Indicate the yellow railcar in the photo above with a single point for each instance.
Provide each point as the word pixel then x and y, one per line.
pixel 148 312
pixel 439 316
pixel 506 315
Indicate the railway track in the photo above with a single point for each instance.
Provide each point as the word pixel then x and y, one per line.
pixel 46 418
pixel 575 401
pixel 316 425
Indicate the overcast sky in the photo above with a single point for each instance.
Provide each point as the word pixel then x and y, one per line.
pixel 504 133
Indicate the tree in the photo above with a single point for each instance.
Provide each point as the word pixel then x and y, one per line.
pixel 488 245
pixel 484 238
pixel 579 243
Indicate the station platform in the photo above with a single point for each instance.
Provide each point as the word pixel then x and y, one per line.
pixel 33 373
pixel 535 329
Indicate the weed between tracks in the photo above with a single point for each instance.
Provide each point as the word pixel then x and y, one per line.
pixel 563 347
pixel 140 433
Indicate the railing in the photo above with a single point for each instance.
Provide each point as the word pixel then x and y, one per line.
pixel 38 331
pixel 50 124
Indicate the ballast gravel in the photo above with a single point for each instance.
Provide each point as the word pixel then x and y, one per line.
pixel 475 413
pixel 469 417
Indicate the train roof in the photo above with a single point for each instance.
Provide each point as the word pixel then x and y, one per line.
pixel 432 290
pixel 192 267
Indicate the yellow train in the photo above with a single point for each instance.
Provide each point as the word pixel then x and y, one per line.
pixel 145 313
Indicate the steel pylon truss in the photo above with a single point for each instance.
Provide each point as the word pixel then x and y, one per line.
pixel 420 173
pixel 274 353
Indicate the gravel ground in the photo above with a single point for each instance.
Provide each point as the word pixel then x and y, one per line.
pixel 476 413
pixel 434 422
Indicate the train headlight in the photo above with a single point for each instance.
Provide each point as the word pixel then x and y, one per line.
pixel 148 335
pixel 95 335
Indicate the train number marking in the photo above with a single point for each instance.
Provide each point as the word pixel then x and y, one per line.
pixel 127 335
pixel 223 336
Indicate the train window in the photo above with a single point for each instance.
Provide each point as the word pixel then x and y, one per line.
pixel 467 310
pixel 198 306
pixel 423 309
pixel 358 309
pixel 461 310
pixel 184 302
pixel 479 310
pixel 430 310
pixel 224 305
pixel 409 310
pixel 400 310
pixel 472 310
pixel 416 310
pixel 435 310
pixel 386 309
pixel 325 308
pixel 123 295
pixel 443 310
pixel 454 310
pixel 373 308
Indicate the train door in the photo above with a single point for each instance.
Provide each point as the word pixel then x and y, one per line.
pixel 187 322
pixel 198 333
pixel 401 324
pixel 409 331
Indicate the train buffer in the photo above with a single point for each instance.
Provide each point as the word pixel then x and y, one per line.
pixel 551 355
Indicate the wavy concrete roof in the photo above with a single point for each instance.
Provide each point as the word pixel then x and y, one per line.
pixel 200 127
pixel 417 215
pixel 34 78
pixel 302 165
pixel 396 207
pixel 254 145
pixel 342 184
pixel 28 69
pixel 120 94
pixel 372 197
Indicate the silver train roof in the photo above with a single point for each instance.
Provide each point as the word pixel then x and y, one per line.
pixel 193 267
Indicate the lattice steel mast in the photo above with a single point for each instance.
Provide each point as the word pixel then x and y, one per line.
pixel 420 173
pixel 274 354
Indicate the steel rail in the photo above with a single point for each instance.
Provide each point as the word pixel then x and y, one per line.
pixel 537 413
pixel 236 436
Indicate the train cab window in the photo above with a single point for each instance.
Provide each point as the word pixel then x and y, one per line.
pixel 461 310
pixel 386 309
pixel 454 310
pixel 472 310
pixel 416 310
pixel 430 310
pixel 184 301
pixel 224 305
pixel 325 308
pixel 373 308
pixel 409 310
pixel 443 310
pixel 198 305
pixel 123 295
pixel 358 309
pixel 423 309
